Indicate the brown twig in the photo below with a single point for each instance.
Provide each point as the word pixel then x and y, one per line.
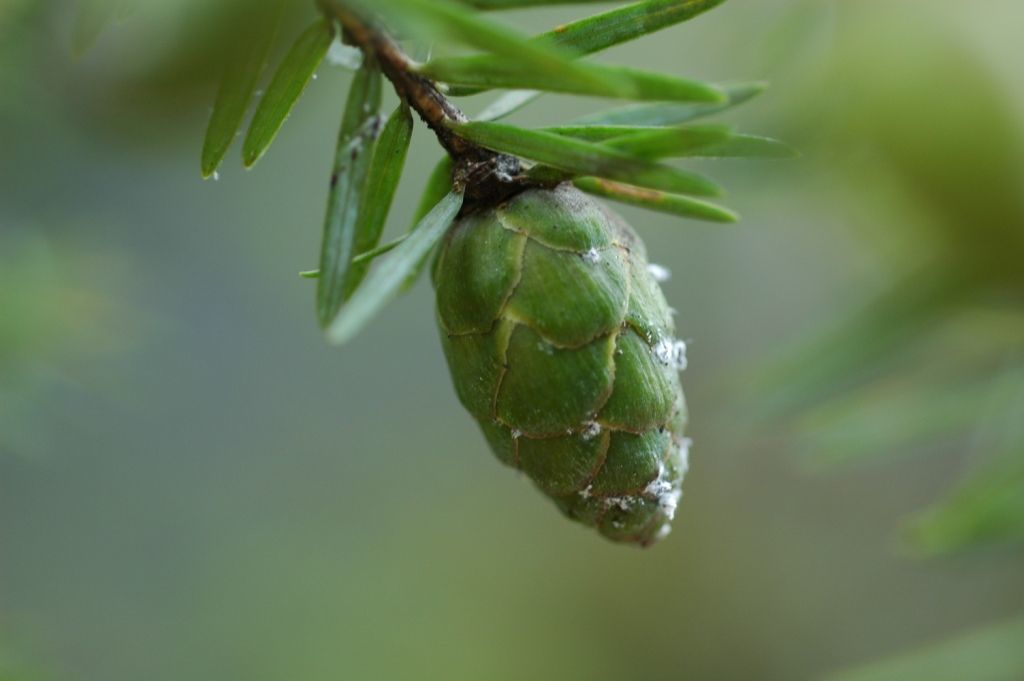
pixel 488 177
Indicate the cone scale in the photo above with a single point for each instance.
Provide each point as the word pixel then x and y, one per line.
pixel 562 347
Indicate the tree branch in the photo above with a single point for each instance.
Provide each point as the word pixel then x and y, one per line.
pixel 487 176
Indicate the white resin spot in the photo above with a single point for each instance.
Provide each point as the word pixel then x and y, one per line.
pixel 622 503
pixel 671 353
pixel 684 455
pixel 344 56
pixel 669 502
pixel 660 273
pixel 506 169
pixel 666 493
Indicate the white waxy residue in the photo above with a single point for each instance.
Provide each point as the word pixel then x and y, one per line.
pixel 591 430
pixel 622 503
pixel 506 169
pixel 671 353
pixel 660 273
pixel 344 56
pixel 684 455
pixel 665 492
pixel 593 256
pixel 669 501
pixel 658 486
pixel 516 433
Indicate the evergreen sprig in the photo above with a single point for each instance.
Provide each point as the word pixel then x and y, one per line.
pixel 616 154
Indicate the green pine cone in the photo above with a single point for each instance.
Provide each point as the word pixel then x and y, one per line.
pixel 562 346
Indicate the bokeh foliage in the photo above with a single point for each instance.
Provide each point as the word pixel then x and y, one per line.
pixel 933 363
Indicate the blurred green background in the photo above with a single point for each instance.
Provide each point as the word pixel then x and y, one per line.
pixel 194 486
